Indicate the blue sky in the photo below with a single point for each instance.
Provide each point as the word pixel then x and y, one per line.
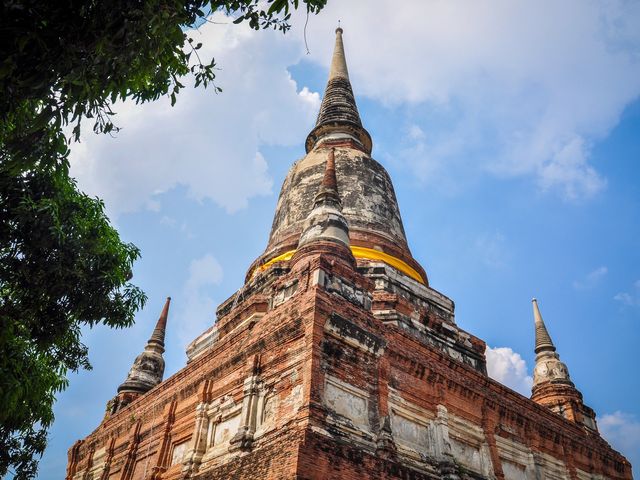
pixel 511 131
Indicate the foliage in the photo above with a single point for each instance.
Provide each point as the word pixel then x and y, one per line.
pixel 62 265
pixel 64 61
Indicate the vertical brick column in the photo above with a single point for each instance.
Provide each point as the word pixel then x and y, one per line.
pixel 489 422
pixel 385 447
pixel 570 461
pixel 244 438
pixel 198 442
pixel 72 461
pixel 108 459
pixel 130 462
pixel 165 443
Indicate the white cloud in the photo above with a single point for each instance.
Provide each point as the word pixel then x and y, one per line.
pixel 209 143
pixel 197 310
pixel 506 88
pixel 591 279
pixel 312 98
pixel 509 368
pixel 531 84
pixel 630 299
pixel 525 87
pixel 622 430
pixel 567 168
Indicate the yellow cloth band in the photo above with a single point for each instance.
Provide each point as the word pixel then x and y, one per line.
pixel 371 254
pixel 360 252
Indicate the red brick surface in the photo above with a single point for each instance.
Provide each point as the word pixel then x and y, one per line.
pixel 292 349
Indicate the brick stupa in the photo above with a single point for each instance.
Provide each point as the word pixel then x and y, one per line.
pixel 337 359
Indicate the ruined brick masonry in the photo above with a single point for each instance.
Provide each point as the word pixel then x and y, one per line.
pixel 336 358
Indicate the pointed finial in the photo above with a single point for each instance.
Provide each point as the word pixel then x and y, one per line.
pixel 148 368
pixel 329 180
pixel 552 386
pixel 328 192
pixel 326 221
pixel 338 116
pixel 550 374
pixel 159 332
pixel 543 339
pixel 338 61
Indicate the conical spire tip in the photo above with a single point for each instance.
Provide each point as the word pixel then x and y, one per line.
pixel 158 333
pixel 326 221
pixel 144 375
pixel 338 61
pixel 543 339
pixel 328 192
pixel 338 112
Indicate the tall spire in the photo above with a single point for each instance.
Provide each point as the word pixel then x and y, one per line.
pixel 339 117
pixel 157 336
pixel 148 368
pixel 368 201
pixel 552 386
pixel 326 221
pixel 548 367
pixel 543 340
pixel 328 192
pixel 339 61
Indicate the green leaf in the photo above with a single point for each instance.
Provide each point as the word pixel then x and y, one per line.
pixel 62 264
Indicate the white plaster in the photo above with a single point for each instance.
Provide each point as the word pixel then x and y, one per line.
pixel 347 401
pixel 269 410
pixel 553 468
pixel 518 457
pixel 225 430
pixel 469 446
pixel 412 428
pixel 513 471
pixel 466 453
pixel 179 450
pixel 410 433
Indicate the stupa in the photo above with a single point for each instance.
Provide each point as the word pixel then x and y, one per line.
pixel 338 360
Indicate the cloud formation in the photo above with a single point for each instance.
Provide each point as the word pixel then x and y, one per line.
pixel 493 87
pixel 209 143
pixel 509 368
pixel 591 279
pixel 500 86
pixel 631 298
